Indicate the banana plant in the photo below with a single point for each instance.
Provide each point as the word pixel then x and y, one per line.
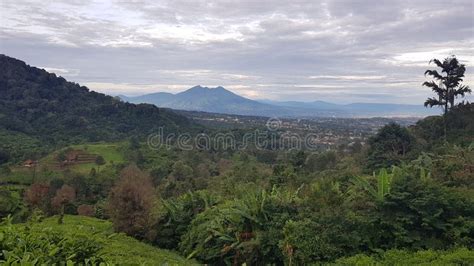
pixel 423 163
pixel 378 192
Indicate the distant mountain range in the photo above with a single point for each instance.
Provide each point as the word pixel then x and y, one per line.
pixel 213 100
pixel 220 100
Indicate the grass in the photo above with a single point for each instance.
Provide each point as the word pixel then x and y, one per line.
pixel 111 152
pixel 118 248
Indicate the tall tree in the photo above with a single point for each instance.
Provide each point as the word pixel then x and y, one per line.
pixel 36 196
pixel 130 202
pixel 391 146
pixel 66 194
pixel 446 85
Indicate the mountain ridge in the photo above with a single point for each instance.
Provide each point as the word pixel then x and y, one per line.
pixel 221 100
pixel 213 100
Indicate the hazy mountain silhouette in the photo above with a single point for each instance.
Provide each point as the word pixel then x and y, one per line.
pixel 220 100
pixel 214 100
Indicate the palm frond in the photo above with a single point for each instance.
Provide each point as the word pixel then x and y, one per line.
pixel 463 90
pixel 435 74
pixel 433 102
pixel 435 87
pixel 437 62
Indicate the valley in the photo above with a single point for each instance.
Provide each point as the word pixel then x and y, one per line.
pixel 327 132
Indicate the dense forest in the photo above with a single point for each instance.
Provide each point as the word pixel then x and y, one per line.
pixel 404 197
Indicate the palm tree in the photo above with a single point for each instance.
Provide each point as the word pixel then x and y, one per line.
pixel 448 85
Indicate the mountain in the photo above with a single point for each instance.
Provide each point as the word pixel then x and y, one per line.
pixel 213 100
pixel 44 108
pixel 220 100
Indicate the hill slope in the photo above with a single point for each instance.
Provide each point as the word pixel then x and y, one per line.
pixel 49 108
pixel 37 102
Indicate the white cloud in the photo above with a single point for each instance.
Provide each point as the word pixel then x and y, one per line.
pixel 422 58
pixel 62 71
pixel 349 77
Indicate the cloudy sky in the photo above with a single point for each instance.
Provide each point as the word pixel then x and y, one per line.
pixel 339 51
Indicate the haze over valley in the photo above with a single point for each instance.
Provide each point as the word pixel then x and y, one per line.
pixel 220 100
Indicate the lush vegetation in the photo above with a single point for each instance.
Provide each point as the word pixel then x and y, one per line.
pixel 406 196
pixel 80 240
pixel 460 256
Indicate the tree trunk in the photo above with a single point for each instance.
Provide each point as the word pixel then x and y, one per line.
pixel 34 173
pixel 61 215
pixel 445 116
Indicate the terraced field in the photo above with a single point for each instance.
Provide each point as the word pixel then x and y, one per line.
pixel 49 166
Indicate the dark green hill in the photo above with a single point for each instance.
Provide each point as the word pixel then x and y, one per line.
pixel 46 107
pixel 459 127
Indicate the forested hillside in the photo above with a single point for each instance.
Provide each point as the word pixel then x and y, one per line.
pixel 39 109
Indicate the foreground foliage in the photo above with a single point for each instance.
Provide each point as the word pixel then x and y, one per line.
pixel 460 256
pixel 79 240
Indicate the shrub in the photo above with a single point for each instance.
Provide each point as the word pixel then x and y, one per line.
pixel 37 196
pixel 175 215
pixel 21 245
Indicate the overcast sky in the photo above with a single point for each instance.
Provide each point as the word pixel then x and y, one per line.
pixel 338 51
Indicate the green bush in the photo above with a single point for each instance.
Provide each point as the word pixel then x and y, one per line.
pixel 175 215
pixel 82 240
pixel 11 203
pixel 21 245
pixel 245 230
